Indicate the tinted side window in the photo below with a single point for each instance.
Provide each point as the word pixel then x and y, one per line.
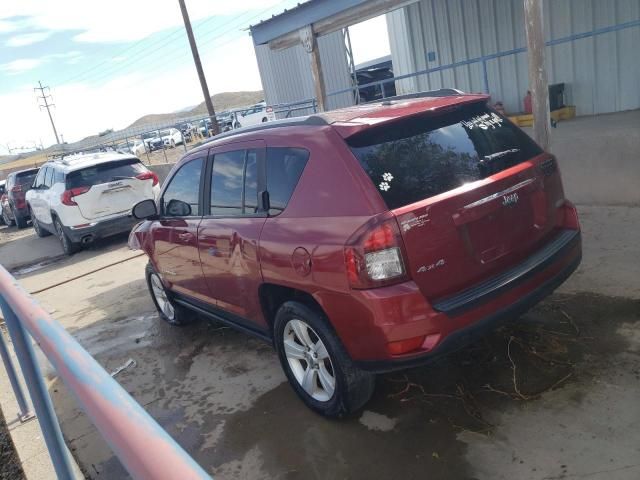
pixel 39 180
pixel 227 182
pixel 284 167
pixel 185 186
pixel 421 157
pixel 48 179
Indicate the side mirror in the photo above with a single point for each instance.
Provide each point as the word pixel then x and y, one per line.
pixel 178 208
pixel 145 210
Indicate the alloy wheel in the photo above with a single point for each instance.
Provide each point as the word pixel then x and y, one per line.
pixel 309 360
pixel 161 297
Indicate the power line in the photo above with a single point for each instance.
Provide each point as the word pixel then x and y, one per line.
pixel 157 47
pixel 45 97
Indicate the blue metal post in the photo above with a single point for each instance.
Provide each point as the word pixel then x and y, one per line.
pixel 39 395
pixel 25 412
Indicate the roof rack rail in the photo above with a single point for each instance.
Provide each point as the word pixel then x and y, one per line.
pixel 442 92
pixel 313 120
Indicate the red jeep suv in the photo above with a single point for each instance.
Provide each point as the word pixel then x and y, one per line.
pixel 361 240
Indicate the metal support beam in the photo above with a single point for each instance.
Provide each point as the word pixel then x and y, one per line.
pixel 310 44
pixel 534 28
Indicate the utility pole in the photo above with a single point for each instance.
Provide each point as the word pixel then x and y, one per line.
pixel 48 106
pixel 196 60
pixel 534 28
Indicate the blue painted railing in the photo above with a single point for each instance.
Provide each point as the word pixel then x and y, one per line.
pixel 143 447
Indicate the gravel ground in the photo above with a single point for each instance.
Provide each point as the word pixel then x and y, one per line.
pixel 10 468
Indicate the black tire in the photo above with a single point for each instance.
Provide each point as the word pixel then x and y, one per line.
pixel 9 222
pixel 181 315
pixel 40 232
pixel 265 119
pixel 21 222
pixel 68 246
pixel 353 387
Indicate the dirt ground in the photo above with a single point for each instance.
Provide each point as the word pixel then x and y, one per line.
pixel 9 465
pixel 551 395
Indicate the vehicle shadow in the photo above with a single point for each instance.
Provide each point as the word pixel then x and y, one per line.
pixel 57 260
pixel 223 397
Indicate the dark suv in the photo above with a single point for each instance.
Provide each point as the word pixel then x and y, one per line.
pixel 361 240
pixel 16 209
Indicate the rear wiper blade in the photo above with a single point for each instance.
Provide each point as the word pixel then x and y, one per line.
pixel 495 162
pixel 504 153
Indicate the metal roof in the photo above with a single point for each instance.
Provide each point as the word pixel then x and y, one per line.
pixel 297 17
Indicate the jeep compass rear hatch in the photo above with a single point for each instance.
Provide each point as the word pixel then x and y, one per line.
pixel 109 188
pixel 472 194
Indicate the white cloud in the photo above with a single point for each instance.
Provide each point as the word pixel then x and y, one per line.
pixel 21 65
pixel 83 109
pixel 118 20
pixel 27 39
pixel 8 26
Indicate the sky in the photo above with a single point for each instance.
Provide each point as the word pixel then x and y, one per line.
pixel 109 63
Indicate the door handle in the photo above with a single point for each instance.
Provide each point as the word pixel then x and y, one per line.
pixel 185 236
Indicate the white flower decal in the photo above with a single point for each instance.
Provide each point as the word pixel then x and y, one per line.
pixel 387 177
pixel 384 186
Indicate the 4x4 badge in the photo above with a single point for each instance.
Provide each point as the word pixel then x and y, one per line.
pixel 511 199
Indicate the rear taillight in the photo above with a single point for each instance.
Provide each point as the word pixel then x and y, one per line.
pixel 148 176
pixel 373 255
pixel 67 196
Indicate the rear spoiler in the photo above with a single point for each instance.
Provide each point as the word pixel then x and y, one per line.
pixel 385 116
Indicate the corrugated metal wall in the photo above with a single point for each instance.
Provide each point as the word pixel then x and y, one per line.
pixel 601 73
pixel 286 74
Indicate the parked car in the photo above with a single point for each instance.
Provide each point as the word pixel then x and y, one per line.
pixel 137 148
pixel 14 209
pixel 204 127
pixel 258 113
pixel 186 129
pixel 225 121
pixel 152 141
pixel 171 137
pixel 86 197
pixel 362 240
pixel 374 92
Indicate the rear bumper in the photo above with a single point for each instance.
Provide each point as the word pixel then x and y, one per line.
pixel 101 229
pixel 479 328
pixel 382 316
pixel 23 212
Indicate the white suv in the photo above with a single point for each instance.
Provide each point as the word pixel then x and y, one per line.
pixel 85 197
pixel 171 137
pixel 258 113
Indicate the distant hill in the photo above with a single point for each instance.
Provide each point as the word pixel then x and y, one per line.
pixel 221 101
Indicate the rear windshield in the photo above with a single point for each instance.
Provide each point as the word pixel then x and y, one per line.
pixel 26 178
pixel 421 157
pixel 104 173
